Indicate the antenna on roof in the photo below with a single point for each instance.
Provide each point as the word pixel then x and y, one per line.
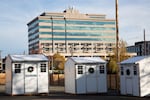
pixel 0 54
pixel 144 43
pixel 144 34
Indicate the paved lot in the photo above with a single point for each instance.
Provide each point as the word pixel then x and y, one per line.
pixel 71 97
pixel 57 93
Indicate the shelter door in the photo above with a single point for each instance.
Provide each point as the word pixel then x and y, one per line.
pixel 30 78
pixel 43 78
pixel 18 79
pixel 80 79
pixel 129 83
pixel 91 81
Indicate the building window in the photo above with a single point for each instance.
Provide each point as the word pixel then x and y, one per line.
pixel 80 69
pixel 43 67
pixel 135 70
pixel 101 69
pixel 122 73
pixel 17 68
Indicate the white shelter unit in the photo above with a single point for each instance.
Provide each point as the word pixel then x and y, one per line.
pixel 27 74
pixel 135 76
pixel 85 75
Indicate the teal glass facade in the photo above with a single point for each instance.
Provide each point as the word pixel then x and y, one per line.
pixel 90 29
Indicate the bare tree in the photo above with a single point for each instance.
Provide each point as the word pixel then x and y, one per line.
pixel 113 61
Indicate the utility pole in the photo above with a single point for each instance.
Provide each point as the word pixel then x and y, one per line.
pixel 117 44
pixel 52 34
pixel 65 35
pixel 1 65
pixel 117 33
pixel 0 54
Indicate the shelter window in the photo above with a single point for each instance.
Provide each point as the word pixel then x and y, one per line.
pixel 128 72
pixel 43 67
pixel 101 69
pixel 122 73
pixel 91 70
pixel 17 68
pixel 135 70
pixel 80 69
pixel 30 69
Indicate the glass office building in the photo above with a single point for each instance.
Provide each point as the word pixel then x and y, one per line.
pixel 71 33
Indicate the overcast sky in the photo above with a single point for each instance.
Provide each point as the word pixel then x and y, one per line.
pixel 134 16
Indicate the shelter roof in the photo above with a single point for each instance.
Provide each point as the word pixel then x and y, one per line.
pixel 134 59
pixel 33 57
pixel 88 60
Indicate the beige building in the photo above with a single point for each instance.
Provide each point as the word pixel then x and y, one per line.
pixel 72 33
